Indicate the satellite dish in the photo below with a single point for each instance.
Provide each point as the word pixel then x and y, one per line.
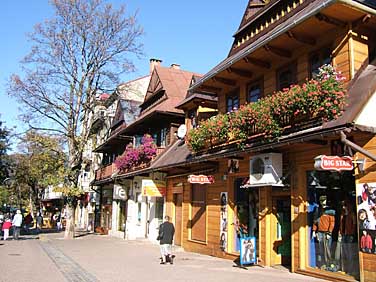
pixel 182 130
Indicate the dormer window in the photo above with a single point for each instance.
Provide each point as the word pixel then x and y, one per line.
pixel 232 101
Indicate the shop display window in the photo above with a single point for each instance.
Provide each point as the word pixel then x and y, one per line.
pixel 122 215
pixel 159 202
pixel 246 212
pixel 332 222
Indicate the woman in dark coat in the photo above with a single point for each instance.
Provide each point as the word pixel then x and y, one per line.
pixel 165 237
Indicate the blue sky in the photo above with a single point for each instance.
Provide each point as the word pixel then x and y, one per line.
pixel 195 34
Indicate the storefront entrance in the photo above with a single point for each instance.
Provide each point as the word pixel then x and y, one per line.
pixel 178 200
pixel 332 222
pixel 281 231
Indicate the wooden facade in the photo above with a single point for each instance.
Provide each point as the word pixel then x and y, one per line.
pixel 338 29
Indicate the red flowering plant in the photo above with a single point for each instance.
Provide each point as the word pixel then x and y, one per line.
pixel 323 97
pixel 148 149
pixel 133 157
pixel 329 97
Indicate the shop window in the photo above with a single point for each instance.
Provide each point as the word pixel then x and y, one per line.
pixel 198 219
pixel 318 59
pixel 286 76
pixel 159 202
pixel 246 212
pixel 122 216
pixel 332 222
pixel 254 92
pixel 232 101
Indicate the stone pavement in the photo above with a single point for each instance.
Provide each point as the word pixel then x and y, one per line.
pixel 92 258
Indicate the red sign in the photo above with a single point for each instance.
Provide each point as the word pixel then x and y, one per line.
pixel 337 163
pixel 201 179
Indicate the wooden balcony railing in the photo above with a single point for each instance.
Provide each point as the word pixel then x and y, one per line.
pixel 105 172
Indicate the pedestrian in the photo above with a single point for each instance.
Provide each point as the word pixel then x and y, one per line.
pixel 28 220
pixel 165 237
pixel 39 220
pixel 6 226
pixel 16 223
pixel 58 222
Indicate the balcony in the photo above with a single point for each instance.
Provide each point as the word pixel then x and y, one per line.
pixel 105 172
pixel 293 109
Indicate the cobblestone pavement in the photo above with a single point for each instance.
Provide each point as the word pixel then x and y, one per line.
pixel 93 258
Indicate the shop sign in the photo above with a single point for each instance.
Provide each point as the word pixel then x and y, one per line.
pixel 337 163
pixel 248 250
pixel 223 222
pixel 201 179
pixel 153 188
pixel 119 193
pixel 366 200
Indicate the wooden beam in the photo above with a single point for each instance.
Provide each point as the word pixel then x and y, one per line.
pixel 223 80
pixel 278 51
pixel 210 89
pixel 362 21
pixel 330 20
pixel 302 38
pixel 240 72
pixel 258 62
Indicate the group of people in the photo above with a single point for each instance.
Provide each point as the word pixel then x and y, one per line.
pixel 15 223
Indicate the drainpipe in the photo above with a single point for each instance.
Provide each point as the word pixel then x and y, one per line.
pixel 356 147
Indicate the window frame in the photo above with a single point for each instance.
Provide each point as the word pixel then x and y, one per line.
pixel 321 54
pixel 259 82
pixel 292 66
pixel 231 95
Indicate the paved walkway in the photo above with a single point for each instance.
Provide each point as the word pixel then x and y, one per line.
pixel 93 258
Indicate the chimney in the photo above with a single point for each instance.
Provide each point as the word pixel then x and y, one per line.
pixel 153 63
pixel 175 66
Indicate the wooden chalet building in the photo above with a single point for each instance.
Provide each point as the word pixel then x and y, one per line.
pixel 291 166
pixel 140 210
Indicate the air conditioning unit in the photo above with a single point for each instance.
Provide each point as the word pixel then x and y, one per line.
pixel 265 169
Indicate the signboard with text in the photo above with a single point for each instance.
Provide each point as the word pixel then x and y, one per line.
pixel 201 179
pixel 337 163
pixel 153 188
pixel 120 193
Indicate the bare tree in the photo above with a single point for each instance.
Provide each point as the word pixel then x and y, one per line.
pixel 77 54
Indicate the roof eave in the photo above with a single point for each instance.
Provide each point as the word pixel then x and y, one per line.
pixel 252 47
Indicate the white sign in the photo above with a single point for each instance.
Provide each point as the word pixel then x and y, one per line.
pixel 119 193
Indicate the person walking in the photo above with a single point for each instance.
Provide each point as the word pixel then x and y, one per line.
pixel 28 221
pixel 6 226
pixel 165 236
pixel 39 220
pixel 16 223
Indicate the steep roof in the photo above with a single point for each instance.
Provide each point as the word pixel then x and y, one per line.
pixel 173 83
pixel 360 90
pixel 310 9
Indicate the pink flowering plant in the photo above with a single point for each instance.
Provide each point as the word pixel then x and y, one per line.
pixel 133 157
pixel 320 98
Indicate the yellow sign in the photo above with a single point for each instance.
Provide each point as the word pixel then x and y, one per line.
pixel 153 188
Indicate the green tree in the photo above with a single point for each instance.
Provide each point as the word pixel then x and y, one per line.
pixel 77 54
pixel 39 163
pixel 4 146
